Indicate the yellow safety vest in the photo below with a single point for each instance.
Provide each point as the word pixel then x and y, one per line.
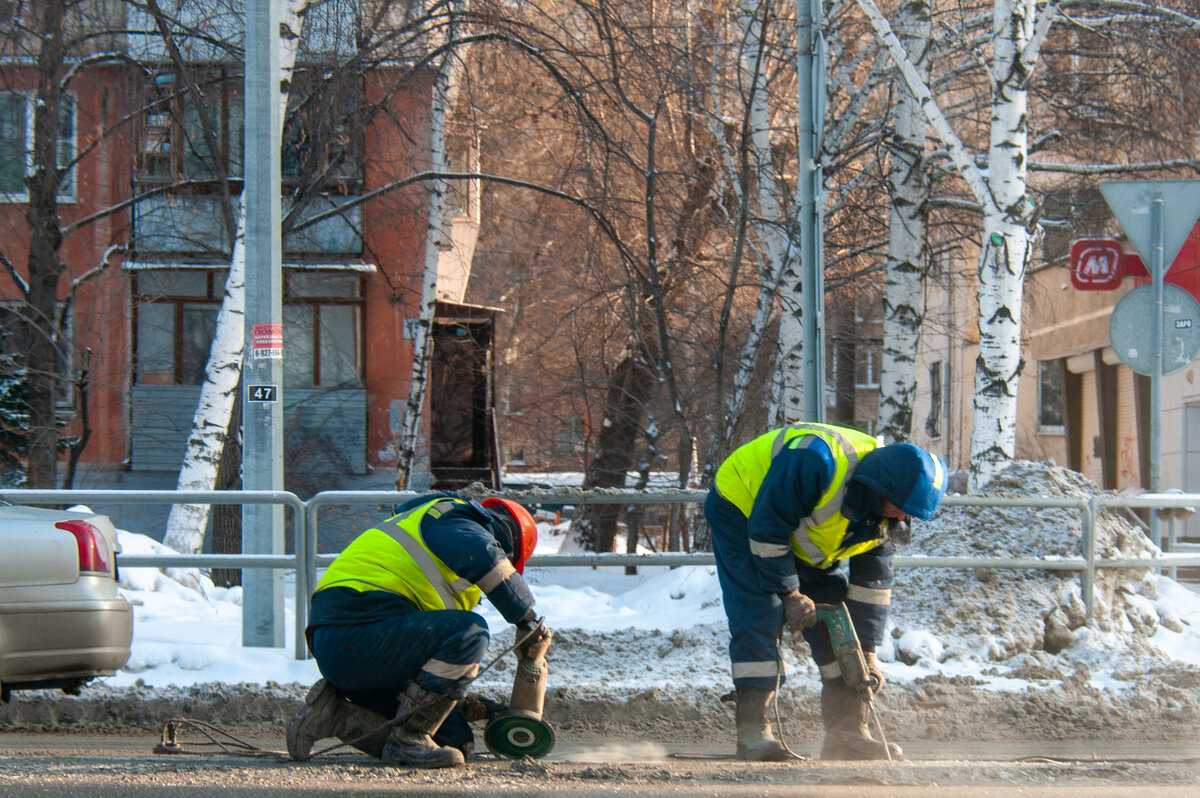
pixel 818 538
pixel 395 559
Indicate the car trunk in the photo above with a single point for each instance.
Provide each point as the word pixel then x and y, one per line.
pixel 49 559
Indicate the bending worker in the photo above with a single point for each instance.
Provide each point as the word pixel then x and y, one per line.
pixel 784 510
pixel 393 633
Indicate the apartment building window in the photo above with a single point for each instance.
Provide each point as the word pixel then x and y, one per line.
pixel 173 143
pixel 16 144
pixel 933 422
pixel 322 136
pixel 12 10
pixel 176 315
pixel 1050 396
pixel 866 365
pixel 570 438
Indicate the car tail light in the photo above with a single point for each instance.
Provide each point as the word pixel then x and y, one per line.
pixel 94 555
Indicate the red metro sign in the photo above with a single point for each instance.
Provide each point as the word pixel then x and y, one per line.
pixel 1096 265
pixel 1099 264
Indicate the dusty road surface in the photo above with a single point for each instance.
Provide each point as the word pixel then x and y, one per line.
pixel 122 764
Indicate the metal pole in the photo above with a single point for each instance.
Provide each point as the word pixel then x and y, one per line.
pixel 1172 571
pixel 1158 228
pixel 262 361
pixel 1088 516
pixel 810 70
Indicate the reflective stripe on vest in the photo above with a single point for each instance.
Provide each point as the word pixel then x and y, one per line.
pixel 830 503
pixel 818 538
pixel 420 576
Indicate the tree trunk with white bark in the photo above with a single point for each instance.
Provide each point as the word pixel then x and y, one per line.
pixel 1010 233
pixel 407 460
pixel 907 258
pixel 771 224
pixel 1007 246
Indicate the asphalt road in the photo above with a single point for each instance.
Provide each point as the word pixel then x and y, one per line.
pixel 124 765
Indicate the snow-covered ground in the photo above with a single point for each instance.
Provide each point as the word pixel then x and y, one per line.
pixel 618 633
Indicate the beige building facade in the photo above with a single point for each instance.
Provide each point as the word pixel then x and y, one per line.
pixel 1078 404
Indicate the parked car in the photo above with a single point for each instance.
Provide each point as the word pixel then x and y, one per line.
pixel 62 622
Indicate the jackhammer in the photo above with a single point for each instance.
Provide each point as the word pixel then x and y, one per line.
pixel 520 731
pixel 849 655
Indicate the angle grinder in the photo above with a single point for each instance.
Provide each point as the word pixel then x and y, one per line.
pixel 520 731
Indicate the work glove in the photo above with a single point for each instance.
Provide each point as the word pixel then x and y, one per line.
pixel 799 612
pixel 874 675
pixel 474 707
pixel 534 639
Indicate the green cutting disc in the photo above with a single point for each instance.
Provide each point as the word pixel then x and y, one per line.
pixel 516 736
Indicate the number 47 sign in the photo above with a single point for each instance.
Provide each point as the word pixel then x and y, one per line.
pixel 262 393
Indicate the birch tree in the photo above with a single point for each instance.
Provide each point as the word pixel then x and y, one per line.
pixel 733 70
pixel 907 257
pixel 410 434
pixel 403 39
pixel 771 220
pixel 1010 232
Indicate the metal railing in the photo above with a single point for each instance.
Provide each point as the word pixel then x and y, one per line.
pixel 305 559
pixel 293 561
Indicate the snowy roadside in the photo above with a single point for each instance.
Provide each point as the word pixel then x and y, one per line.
pixel 972 655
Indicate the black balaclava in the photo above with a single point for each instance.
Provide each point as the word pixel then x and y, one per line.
pixel 505 527
pixel 865 513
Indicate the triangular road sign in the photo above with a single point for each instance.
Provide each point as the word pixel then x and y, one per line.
pixel 1131 201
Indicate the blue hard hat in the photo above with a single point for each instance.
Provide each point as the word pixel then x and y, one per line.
pixel 906 475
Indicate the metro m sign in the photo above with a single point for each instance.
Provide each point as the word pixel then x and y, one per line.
pixel 1095 265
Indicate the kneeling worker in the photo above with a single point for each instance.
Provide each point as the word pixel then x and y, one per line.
pixel 784 510
pixel 392 630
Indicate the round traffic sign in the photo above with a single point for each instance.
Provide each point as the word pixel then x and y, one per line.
pixel 1131 324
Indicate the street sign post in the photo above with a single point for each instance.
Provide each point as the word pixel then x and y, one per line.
pixel 1157 215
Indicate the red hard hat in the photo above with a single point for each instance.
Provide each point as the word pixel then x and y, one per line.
pixel 526 540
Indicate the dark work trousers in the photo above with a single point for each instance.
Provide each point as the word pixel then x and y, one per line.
pixel 756 615
pixel 372 664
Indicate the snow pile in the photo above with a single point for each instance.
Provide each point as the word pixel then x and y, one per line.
pixel 1033 622
pixel 189 584
pixel 186 630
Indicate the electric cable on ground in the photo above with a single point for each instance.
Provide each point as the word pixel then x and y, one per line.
pixel 169 744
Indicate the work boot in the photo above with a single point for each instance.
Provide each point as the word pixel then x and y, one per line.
pixel 326 713
pixel 847 736
pixel 755 741
pixel 411 741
